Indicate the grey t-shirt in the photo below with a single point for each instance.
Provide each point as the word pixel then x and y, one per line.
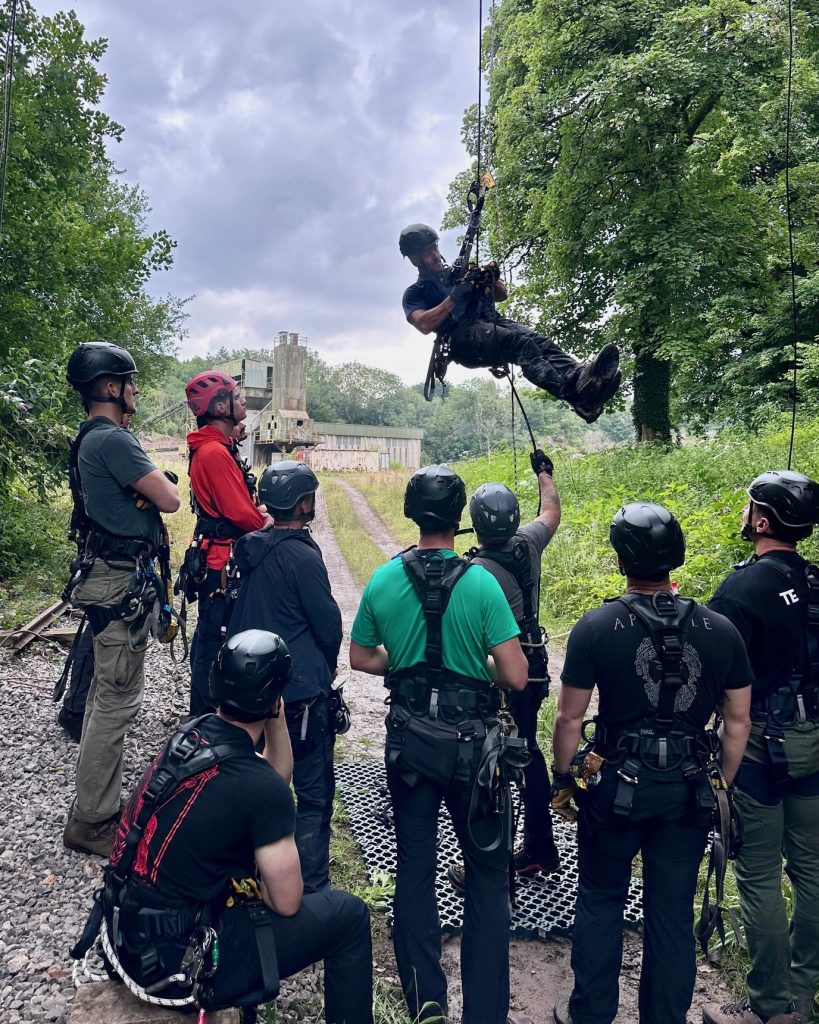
pixel 110 460
pixel 537 536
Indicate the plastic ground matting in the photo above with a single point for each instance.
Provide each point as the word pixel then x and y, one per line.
pixel 544 904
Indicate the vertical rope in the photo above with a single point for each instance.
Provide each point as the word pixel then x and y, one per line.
pixel 788 118
pixel 514 439
pixel 480 118
pixel 5 127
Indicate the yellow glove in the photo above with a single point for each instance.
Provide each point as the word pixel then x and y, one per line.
pixel 563 791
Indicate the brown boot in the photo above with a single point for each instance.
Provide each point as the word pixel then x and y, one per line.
pixel 741 1013
pixel 91 837
pixel 597 382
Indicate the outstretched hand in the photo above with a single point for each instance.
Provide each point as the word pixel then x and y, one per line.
pixel 541 463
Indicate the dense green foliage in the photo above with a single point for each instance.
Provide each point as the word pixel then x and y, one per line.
pixel 702 483
pixel 74 252
pixel 639 149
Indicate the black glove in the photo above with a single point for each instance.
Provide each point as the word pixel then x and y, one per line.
pixel 492 271
pixel 541 463
pixel 170 475
pixel 460 295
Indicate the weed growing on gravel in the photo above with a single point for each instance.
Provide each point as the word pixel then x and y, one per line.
pixel 361 554
pixel 385 494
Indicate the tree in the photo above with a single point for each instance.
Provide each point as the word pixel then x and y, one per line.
pixel 628 143
pixel 74 252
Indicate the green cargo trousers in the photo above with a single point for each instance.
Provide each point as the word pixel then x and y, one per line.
pixel 113 699
pixel 784 955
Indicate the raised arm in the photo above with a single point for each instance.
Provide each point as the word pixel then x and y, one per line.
pixel 549 498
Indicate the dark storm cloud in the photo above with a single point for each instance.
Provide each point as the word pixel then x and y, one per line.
pixel 284 145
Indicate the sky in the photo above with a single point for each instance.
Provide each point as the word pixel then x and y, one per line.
pixel 284 145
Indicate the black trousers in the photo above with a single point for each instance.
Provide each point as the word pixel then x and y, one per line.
pixel 538 836
pixel 495 342
pixel 417 928
pixel 209 635
pixel 671 836
pixel 312 739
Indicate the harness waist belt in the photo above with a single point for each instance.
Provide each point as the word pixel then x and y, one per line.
pixel 788 705
pixel 453 691
pixel 652 748
pixel 109 545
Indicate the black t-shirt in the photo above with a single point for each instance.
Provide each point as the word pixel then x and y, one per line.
pixel 769 610
pixel 208 829
pixel 610 648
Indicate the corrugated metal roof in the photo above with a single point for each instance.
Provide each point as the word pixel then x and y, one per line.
pixel 368 430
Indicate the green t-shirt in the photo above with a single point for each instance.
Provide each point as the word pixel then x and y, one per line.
pixel 477 618
pixel 110 460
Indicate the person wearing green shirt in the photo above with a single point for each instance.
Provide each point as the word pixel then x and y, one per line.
pixel 441 632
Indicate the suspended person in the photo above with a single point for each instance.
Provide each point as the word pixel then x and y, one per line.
pixel 224 504
pixel 661 664
pixel 205 872
pixel 118 496
pixel 773 600
pixel 480 337
pixel 512 554
pixel 286 589
pixel 442 713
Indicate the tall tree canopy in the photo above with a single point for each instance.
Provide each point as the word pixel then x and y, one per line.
pixel 75 255
pixel 639 150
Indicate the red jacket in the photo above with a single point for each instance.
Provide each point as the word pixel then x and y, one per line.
pixel 219 488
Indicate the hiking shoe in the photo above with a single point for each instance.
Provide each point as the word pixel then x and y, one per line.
pixel 597 382
pixel 527 863
pixel 456 873
pixel 91 837
pixel 740 1013
pixel 560 1011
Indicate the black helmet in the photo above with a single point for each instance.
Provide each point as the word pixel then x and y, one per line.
pixel 249 673
pixel 284 484
pixel 495 512
pixel 435 496
pixel 791 497
pixel 98 359
pixel 648 539
pixel 415 238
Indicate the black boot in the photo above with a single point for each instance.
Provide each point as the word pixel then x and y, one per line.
pixel 597 381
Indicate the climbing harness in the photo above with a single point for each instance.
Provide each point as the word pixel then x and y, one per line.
pixel 445 727
pixel 128 918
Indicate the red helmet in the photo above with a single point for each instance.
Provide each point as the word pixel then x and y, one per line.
pixel 205 387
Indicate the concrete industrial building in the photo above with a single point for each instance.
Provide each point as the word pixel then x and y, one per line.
pixel 278 426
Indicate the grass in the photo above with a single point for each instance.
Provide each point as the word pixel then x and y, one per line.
pixel 361 553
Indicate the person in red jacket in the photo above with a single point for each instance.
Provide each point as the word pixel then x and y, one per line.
pixel 224 501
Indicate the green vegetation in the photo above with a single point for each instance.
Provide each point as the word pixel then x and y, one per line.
pixel 385 494
pixel 640 150
pixel 361 554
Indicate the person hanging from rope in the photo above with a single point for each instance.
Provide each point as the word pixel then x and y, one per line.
pixel 463 312
pixel 225 507
pixel 512 554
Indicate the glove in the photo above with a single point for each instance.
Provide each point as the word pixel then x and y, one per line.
pixel 541 463
pixel 492 271
pixel 561 794
pixel 460 295
pixel 169 475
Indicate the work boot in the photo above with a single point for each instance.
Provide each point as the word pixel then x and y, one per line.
pixel 528 863
pixel 91 837
pixel 741 1013
pixel 456 873
pixel 596 382
pixel 560 1011
pixel 804 1010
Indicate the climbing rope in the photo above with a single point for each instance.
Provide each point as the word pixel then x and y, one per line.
pixel 789 214
pixel 5 125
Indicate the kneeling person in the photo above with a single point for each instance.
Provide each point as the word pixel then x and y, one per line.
pixel 212 856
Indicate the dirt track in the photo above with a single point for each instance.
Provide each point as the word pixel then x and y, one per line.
pixel 540 970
